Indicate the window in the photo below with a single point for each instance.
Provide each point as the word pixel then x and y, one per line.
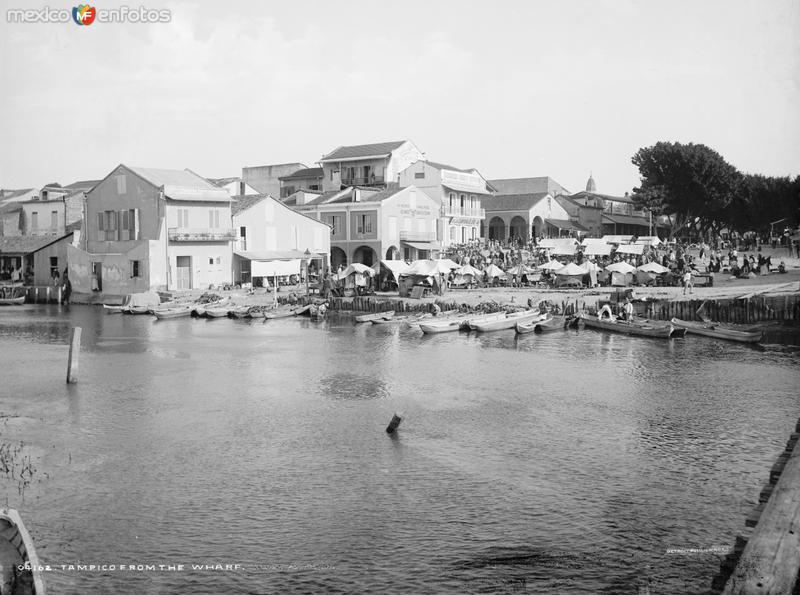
pixel 406 253
pixel 420 175
pixel 392 224
pixel 406 224
pixel 121 184
pixel 53 266
pixel 53 218
pixel 473 232
pixel 243 237
pixel 183 217
pixel 463 200
pixel 412 199
pixel 463 235
pixel 218 260
pixel 135 269
pixel 332 220
pixel 452 234
pixel 35 220
pixel 364 224
pixel 213 218
pixel 128 224
pixel 211 260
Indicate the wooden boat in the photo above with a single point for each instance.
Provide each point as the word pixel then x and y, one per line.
pixel 644 328
pixel 509 321
pixel 414 321
pixel 719 331
pixel 280 313
pixel 472 320
pixel 303 310
pixel 218 312
pixel 17 301
pixel 239 312
pixel 441 326
pixel 549 324
pixel 376 316
pixel 174 312
pixel 16 550
pixel 136 310
pixel 113 309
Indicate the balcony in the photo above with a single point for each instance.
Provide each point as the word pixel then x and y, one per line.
pixel 368 181
pixel 199 234
pixel 418 236
pixel 448 211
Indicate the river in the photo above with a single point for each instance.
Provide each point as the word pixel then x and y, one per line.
pixel 569 462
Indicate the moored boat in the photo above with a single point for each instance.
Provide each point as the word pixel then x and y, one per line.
pixel 509 321
pixel 19 564
pixel 472 320
pixel 719 331
pixel 549 324
pixel 644 328
pixel 218 312
pixel 174 312
pixel 16 301
pixel 239 312
pixel 432 327
pixel 376 316
pixel 113 309
pixel 280 313
pixel 136 310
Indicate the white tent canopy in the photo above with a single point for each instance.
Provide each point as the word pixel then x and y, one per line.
pixel 570 270
pixel 272 268
pixel 396 267
pixel 653 267
pixel 631 249
pixel 617 239
pixel 493 271
pixel 356 268
pixel 621 267
pixel 553 265
pixel 598 249
pixel 648 240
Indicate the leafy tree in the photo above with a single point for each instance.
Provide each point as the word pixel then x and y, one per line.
pixel 690 183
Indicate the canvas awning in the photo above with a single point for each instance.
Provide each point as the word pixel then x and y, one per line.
pixel 631 249
pixel 423 245
pixel 465 188
pixel 598 249
pixel 564 250
pixel 272 268
pixel 395 267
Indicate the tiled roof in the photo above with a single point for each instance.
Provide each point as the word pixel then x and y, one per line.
pixel 356 151
pixel 9 194
pixel 242 203
pixel 626 199
pixel 436 165
pixel 182 184
pixel 24 244
pixel 566 224
pixel 512 202
pixel 222 182
pixel 74 226
pixel 626 220
pixel 82 185
pixel 302 174
pixel 527 185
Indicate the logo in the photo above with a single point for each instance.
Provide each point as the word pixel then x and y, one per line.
pixel 84 14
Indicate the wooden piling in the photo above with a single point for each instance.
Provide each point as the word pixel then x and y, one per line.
pixel 396 419
pixel 74 352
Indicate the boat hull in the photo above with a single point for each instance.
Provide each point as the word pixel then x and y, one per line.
pixel 17 301
pixel 508 322
pixel 440 326
pixel 719 331
pixel 471 322
pixel 376 316
pixel 172 313
pixel 22 550
pixel 662 330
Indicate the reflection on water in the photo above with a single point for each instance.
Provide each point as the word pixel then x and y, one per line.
pixel 566 462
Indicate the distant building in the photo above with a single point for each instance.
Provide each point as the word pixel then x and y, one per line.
pixel 509 186
pixel 620 216
pixel 150 229
pixel 374 165
pixel 268 230
pixel 308 178
pixel 459 193
pixel 519 216
pixel 372 224
pixel 234 186
pixel 587 216
pixel 266 179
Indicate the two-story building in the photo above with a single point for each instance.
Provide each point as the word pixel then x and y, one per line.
pixel 269 231
pixel 373 165
pixel 308 178
pixel 368 225
pixel 234 186
pixel 459 193
pixel 149 229
pixel 266 179
pixel 620 216
pixel 520 216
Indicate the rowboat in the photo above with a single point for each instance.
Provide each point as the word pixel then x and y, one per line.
pixel 414 321
pixel 113 309
pixel 469 323
pixel 217 312
pixel 174 312
pixel 17 301
pixel 376 316
pixel 303 310
pixel 441 326
pixel 509 321
pixel 550 324
pixel 649 328
pixel 408 319
pixel 719 331
pixel 17 551
pixel 239 312
pixel 136 309
pixel 280 313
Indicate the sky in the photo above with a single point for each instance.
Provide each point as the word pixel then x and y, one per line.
pixel 516 88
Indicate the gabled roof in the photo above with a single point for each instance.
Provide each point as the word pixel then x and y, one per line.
pixel 242 203
pixel 362 151
pixel 10 207
pixel 512 202
pixel 440 166
pixel 182 184
pixel 625 219
pixel 528 185
pixel 221 182
pixel 584 193
pixel 82 185
pixel 563 200
pixel 11 194
pixel 303 174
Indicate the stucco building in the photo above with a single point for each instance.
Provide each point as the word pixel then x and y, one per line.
pixel 520 216
pixel 149 229
pixel 459 193
pixel 266 179
pixel 372 165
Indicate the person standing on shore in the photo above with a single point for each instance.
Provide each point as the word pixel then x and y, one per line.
pixel 687 281
pixel 66 289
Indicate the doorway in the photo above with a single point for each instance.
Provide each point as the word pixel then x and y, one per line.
pixel 183 277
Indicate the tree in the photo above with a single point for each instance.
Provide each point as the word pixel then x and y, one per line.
pixel 690 183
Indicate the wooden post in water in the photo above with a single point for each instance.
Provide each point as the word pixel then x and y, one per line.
pixel 74 352
pixel 396 419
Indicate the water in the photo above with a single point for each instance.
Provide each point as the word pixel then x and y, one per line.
pixel 567 462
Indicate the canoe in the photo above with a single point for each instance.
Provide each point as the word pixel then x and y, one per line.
pixel 176 312
pixel 441 326
pixel 17 301
pixel 650 328
pixel 510 321
pixel 113 309
pixel 719 331
pixel 17 550
pixel 469 323
pixel 376 316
